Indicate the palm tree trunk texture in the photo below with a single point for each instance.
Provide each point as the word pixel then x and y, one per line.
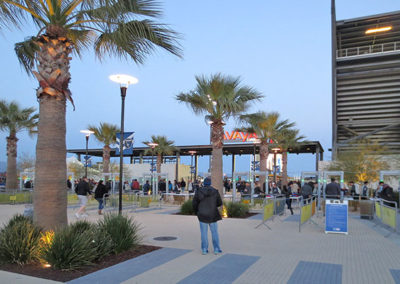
pixel 264 152
pixel 50 194
pixel 217 136
pixel 159 159
pixel 106 159
pixel 284 166
pixel 12 181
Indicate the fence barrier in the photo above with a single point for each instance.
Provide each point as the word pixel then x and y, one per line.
pixel 386 213
pixel 308 208
pixel 268 212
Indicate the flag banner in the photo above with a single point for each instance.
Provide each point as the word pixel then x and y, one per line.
pixel 127 143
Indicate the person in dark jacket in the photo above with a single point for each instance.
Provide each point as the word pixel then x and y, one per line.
pixel 287 191
pixel 205 205
pixel 82 190
pixel 99 195
pixel 332 190
pixel 307 189
pixel 387 195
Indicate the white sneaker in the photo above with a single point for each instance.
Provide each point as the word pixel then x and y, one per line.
pixel 77 215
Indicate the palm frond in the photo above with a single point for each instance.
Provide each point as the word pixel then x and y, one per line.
pixel 136 40
pixel 26 53
pixel 81 39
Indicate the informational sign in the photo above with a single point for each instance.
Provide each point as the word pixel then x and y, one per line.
pixel 127 143
pixel 336 212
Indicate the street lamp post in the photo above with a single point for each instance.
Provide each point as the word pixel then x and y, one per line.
pixel 87 135
pixel 124 81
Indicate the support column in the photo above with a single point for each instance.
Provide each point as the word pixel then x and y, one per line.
pixel 321 156
pixel 233 165
pixel 131 160
pixel 196 161
pixel 79 157
pixel 141 158
pixel 316 158
pixel 178 161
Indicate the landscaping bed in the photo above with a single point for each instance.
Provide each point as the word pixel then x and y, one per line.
pixel 38 270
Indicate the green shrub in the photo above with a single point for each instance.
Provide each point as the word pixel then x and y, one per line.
pixel 123 230
pixel 18 218
pixel 81 226
pixel 187 208
pixel 236 209
pixel 70 249
pixel 19 241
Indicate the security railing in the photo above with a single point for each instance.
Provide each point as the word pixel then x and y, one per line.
pixel 369 49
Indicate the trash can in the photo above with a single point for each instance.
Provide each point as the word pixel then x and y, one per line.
pixel 366 209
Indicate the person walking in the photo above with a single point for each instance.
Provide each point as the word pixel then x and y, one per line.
pixel 183 185
pixel 205 205
pixel 82 190
pixel 306 190
pixel 146 188
pixel 365 189
pixel 99 195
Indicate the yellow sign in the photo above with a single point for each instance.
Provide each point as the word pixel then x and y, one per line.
pixel 305 213
pixel 117 178
pixel 13 198
pixel 314 204
pixel 378 210
pixel 389 216
pixel 268 211
pixel 246 201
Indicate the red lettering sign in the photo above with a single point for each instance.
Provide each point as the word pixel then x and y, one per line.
pixel 239 136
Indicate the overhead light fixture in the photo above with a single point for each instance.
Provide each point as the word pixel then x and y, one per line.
pixel 378 30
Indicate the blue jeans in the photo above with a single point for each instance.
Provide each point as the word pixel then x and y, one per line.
pixel 204 236
pixel 100 200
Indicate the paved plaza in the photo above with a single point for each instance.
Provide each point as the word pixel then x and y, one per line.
pixel 279 255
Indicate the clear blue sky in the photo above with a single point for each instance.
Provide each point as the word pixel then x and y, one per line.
pixel 281 48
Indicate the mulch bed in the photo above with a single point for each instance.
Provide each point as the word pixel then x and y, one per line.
pixel 38 270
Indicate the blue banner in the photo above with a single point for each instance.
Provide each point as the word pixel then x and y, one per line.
pixel 336 213
pixel 127 143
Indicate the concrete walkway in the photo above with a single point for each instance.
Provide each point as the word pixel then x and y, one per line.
pixel 280 255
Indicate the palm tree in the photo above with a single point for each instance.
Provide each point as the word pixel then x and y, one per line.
pixel 13 119
pixel 115 28
pixel 164 147
pixel 287 140
pixel 267 126
pixel 106 133
pixel 219 97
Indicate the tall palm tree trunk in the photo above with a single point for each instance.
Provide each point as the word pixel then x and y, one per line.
pixel 284 166
pixel 264 152
pixel 217 136
pixel 12 181
pixel 106 159
pixel 50 194
pixel 159 160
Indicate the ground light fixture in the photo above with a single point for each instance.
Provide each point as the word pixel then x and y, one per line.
pixel 87 135
pixel 124 81
pixel 378 30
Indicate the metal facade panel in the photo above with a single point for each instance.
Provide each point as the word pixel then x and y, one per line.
pixel 368 81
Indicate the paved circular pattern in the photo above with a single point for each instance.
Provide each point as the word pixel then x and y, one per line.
pixel 165 238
